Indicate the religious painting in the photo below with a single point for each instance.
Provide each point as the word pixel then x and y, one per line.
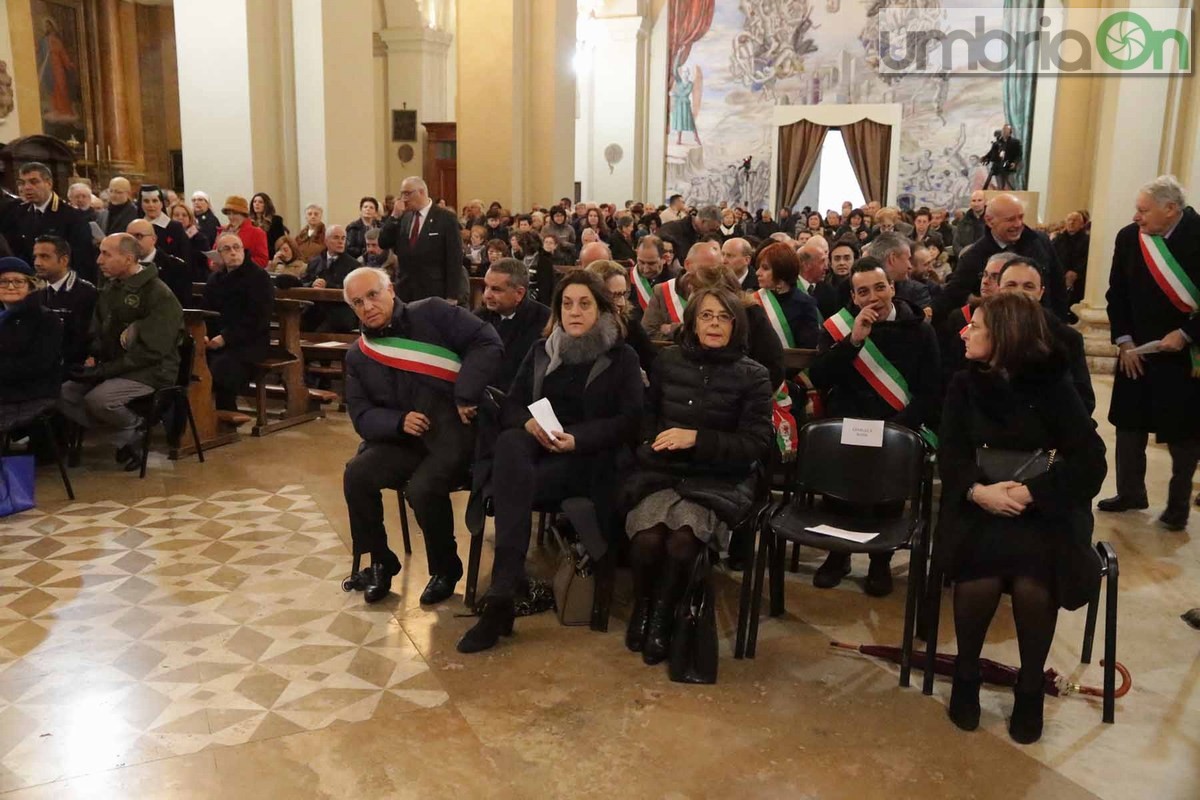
pixel 404 125
pixel 62 67
pixel 730 62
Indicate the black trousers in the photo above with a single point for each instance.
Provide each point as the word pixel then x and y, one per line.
pixel 427 471
pixel 1131 468
pixel 230 372
pixel 525 476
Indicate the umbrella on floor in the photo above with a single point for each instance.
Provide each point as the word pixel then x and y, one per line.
pixel 992 671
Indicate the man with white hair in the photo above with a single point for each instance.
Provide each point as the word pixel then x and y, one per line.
pixel 79 195
pixel 414 381
pixel 1007 231
pixel 427 244
pixel 1152 298
pixel 329 271
pixel 593 251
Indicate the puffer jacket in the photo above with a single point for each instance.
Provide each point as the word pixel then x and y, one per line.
pixel 146 305
pixel 726 398
pixel 31 340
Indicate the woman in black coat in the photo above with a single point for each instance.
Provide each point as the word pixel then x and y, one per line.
pixel 262 214
pixel 1033 537
pixel 708 423
pixel 594 385
pixel 245 297
pixel 31 340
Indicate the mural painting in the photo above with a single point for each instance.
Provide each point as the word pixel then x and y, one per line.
pixel 731 61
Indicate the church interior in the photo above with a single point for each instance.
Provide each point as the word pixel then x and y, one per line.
pixel 179 628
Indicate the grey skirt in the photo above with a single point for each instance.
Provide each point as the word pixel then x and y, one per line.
pixel 666 507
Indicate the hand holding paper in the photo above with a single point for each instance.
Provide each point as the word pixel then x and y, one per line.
pixel 547 421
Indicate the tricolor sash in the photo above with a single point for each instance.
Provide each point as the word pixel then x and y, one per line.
pixel 805 285
pixel 412 356
pixel 672 300
pixel 966 312
pixel 787 437
pixel 641 286
pixel 1170 276
pixel 770 303
pixel 880 373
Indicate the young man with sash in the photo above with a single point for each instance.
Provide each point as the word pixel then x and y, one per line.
pixel 1153 297
pixel 665 312
pixel 877 361
pixel 414 380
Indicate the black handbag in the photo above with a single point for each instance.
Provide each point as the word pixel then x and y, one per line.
pixel 996 465
pixel 694 651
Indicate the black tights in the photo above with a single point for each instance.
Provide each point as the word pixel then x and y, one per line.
pixel 1035 613
pixel 650 548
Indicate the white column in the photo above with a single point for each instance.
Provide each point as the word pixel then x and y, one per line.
pixel 335 105
pixel 214 106
pixel 615 114
pixel 418 65
pixel 1129 153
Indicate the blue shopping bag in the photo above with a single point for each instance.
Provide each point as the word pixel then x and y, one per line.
pixel 16 484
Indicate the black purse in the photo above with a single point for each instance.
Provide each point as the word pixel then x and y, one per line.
pixel 996 465
pixel 694 651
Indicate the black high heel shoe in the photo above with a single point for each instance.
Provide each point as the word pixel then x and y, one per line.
pixel 495 621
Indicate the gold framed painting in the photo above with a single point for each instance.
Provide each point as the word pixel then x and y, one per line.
pixel 63 68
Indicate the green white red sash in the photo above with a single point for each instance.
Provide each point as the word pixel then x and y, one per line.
pixel 672 300
pixel 805 285
pixel 966 312
pixel 787 436
pixel 876 370
pixel 1170 276
pixel 412 356
pixel 770 303
pixel 641 286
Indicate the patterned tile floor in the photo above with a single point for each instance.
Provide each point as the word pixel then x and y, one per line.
pixel 124 636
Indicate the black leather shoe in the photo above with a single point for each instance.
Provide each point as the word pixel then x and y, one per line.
pixel 964 703
pixel 439 588
pixel 879 577
pixel 830 573
pixel 377 579
pixel 1174 520
pixel 639 625
pixel 128 458
pixel 495 621
pixel 1119 503
pixel 658 632
pixel 1025 724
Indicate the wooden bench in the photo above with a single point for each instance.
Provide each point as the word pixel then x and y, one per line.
pixel 213 429
pixel 301 404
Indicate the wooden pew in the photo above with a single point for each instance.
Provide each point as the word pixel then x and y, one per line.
pixel 476 293
pixel 213 431
pixel 300 403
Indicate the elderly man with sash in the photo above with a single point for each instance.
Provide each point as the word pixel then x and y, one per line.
pixel 880 362
pixel 664 314
pixel 414 380
pixel 1153 305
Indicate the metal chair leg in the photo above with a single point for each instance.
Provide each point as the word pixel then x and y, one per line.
pixel 404 522
pixel 775 579
pixel 473 558
pixel 916 585
pixel 933 611
pixel 541 532
pixel 1089 627
pixel 605 572
pixel 145 448
pixel 187 406
pixel 766 543
pixel 1110 634
pixel 744 602
pixel 795 565
pixel 58 459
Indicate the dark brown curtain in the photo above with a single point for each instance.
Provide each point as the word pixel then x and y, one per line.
pixel 799 149
pixel 869 145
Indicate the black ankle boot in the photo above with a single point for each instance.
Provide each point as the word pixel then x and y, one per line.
pixel 1025 724
pixel 639 624
pixel 964 703
pixel 662 613
pixel 495 621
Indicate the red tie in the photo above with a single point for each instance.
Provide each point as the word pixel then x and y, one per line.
pixel 416 230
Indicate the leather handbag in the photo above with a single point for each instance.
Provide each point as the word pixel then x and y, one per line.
pixel 574 586
pixel 694 651
pixel 16 484
pixel 996 465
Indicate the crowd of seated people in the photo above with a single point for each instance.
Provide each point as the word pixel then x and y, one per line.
pixel 657 335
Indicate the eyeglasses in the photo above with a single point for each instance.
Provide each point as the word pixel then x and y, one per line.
pixel 231 248
pixel 719 316
pixel 992 277
pixel 372 295
pixel 13 283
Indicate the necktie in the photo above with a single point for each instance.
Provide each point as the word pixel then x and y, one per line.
pixel 416 230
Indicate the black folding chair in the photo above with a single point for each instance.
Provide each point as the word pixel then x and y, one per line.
pixel 44 419
pixel 842 486
pixel 1109 574
pixel 154 408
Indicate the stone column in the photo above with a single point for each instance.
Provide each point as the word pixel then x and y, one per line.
pixel 1129 153
pixel 116 146
pixel 418 69
pixel 615 59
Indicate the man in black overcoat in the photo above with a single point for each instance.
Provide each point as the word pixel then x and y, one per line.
pixel 1152 297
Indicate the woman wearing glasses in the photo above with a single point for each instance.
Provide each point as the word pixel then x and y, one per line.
pixel 708 421
pixel 31 338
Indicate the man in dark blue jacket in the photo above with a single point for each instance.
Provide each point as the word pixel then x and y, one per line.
pixel 414 380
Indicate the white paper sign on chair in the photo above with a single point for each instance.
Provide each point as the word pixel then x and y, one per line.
pixel 862 432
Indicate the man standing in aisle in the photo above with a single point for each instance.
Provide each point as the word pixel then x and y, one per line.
pixel 1153 305
pixel 427 244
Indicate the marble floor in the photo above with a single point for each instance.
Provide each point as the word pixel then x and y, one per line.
pixel 186 636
